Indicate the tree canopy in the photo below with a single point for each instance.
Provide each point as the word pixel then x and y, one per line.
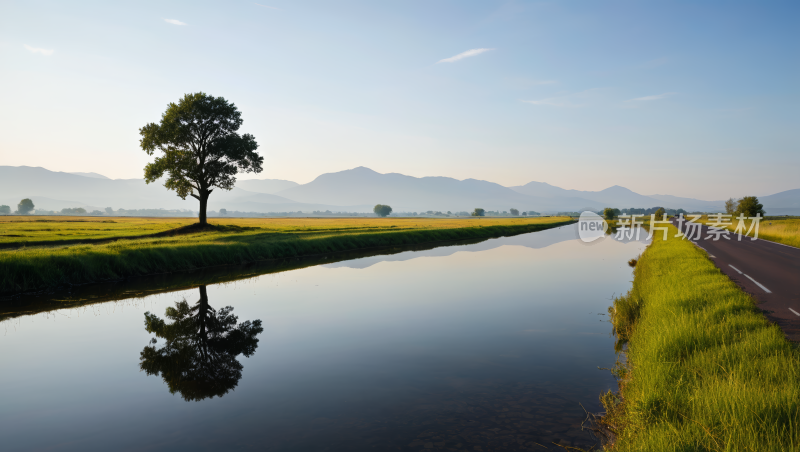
pixel 609 213
pixel 478 212
pixel 200 147
pixel 750 207
pixel 198 359
pixel 660 213
pixel 382 210
pixel 25 206
pixel 513 211
pixel 5 210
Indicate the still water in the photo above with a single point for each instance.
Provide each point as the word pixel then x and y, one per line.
pixel 483 347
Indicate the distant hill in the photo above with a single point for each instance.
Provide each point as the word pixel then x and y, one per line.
pixel 619 197
pixel 406 193
pixel 270 186
pixel 51 190
pixel 94 175
pixel 783 203
pixel 690 204
pixel 355 190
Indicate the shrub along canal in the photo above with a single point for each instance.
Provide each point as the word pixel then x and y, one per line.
pixel 488 346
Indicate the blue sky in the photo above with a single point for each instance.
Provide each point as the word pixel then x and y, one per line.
pixel 687 98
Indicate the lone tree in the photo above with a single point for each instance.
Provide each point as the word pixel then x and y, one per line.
pixel 514 212
pixel 609 213
pixel 382 210
pixel 200 147
pixel 730 206
pixel 25 206
pixel 5 210
pixel 478 212
pixel 660 213
pixel 750 207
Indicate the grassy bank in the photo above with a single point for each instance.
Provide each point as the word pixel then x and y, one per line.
pixel 704 369
pixel 51 264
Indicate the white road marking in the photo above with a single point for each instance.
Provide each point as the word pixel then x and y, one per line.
pixel 795 312
pixel 740 272
pixel 757 283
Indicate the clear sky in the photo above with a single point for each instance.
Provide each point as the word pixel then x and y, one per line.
pixel 694 98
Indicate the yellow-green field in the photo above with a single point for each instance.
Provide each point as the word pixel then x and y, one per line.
pixel 780 231
pixel 49 230
pixel 39 253
pixel 704 370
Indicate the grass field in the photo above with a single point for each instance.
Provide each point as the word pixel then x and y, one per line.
pixel 704 369
pixel 780 231
pixel 40 253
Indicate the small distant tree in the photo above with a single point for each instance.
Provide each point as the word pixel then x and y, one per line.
pixel 750 207
pixel 525 213
pixel 660 213
pixel 109 211
pixel 730 206
pixel 96 212
pixel 514 212
pixel 609 213
pixel 201 148
pixel 25 206
pixel 223 211
pixel 5 210
pixel 478 212
pixel 381 210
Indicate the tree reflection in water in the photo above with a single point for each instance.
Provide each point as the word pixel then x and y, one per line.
pixel 198 359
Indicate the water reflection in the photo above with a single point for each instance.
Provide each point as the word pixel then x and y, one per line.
pixel 492 345
pixel 198 357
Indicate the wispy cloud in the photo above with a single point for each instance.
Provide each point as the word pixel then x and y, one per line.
pixel 45 52
pixel 174 22
pixel 462 55
pixel 647 98
pixel 270 7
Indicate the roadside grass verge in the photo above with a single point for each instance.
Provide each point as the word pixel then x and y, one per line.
pixel 234 242
pixel 704 369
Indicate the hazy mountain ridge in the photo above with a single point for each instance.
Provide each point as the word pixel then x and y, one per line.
pixel 270 186
pixel 355 190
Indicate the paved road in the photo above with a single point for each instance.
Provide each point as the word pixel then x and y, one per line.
pixel 768 270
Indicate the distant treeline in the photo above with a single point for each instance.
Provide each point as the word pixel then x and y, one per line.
pixel 650 211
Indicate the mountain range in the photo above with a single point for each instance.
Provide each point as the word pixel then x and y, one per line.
pixel 354 190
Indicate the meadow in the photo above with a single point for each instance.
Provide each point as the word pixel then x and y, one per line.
pixel 704 370
pixel 47 253
pixel 786 231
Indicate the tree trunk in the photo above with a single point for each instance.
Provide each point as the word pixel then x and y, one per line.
pixel 203 205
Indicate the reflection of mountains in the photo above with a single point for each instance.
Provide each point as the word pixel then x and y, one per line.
pixel 198 357
pixel 537 240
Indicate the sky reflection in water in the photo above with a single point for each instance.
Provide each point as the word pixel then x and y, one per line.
pixel 493 344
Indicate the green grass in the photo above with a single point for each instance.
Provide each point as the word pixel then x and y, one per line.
pixel 704 369
pixel 52 264
pixel 786 231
